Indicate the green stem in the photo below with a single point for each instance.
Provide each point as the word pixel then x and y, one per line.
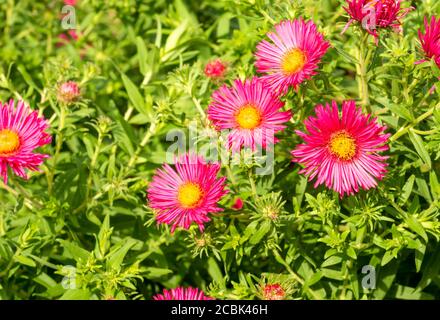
pixel 151 131
pixel 58 146
pixel 253 186
pixel 405 129
pixel 294 274
pixel 364 55
pixel 92 165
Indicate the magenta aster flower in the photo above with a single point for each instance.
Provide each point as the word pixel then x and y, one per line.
pixel 376 14
pixel 187 194
pixel 21 132
pixel 342 152
pixel 293 55
pixel 250 110
pixel 181 293
pixel 430 40
pixel 215 69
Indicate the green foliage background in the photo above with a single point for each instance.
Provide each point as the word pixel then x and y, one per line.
pixel 140 66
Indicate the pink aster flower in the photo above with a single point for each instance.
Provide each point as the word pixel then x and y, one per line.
pixel 430 40
pixel 21 132
pixel 376 14
pixel 187 194
pixel 342 152
pixel 293 55
pixel 68 92
pixel 250 110
pixel 181 293
pixel 215 69
pixel 67 38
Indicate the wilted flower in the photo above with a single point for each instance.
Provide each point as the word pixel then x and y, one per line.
pixel 21 132
pixel 181 293
pixel 342 152
pixel 293 55
pixel 251 110
pixel 187 194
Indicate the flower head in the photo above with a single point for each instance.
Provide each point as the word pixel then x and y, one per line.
pixel 342 152
pixel 21 132
pixel 293 55
pixel 187 194
pixel 273 292
pixel 68 92
pixel 181 293
pixel 430 40
pixel 376 14
pixel 250 110
pixel 215 69
pixel 67 38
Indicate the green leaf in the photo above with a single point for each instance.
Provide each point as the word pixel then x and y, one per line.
pixel 214 271
pixel 116 256
pixel 385 277
pixel 260 233
pixel 407 189
pixel 420 148
pixel 135 96
pixel 25 260
pixel 76 294
pixel 416 226
pixel 79 254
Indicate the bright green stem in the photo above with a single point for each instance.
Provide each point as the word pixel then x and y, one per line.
pixel 58 146
pixel 93 164
pixel 253 186
pixel 294 275
pixel 404 130
pixel 151 131
pixel 362 68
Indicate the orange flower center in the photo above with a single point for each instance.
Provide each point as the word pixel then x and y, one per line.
pixel 189 195
pixel 248 117
pixel 9 142
pixel 343 145
pixel 293 61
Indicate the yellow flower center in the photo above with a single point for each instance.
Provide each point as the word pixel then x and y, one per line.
pixel 343 145
pixel 189 195
pixel 293 61
pixel 9 142
pixel 248 117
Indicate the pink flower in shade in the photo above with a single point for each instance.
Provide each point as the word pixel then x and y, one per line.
pixel 66 38
pixel 273 292
pixel 187 194
pixel 342 152
pixel 293 55
pixel 238 204
pixel 376 14
pixel 21 132
pixel 430 40
pixel 250 110
pixel 70 2
pixel 181 293
pixel 68 92
pixel 215 69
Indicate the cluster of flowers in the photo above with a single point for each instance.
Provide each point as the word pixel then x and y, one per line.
pixel 341 149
